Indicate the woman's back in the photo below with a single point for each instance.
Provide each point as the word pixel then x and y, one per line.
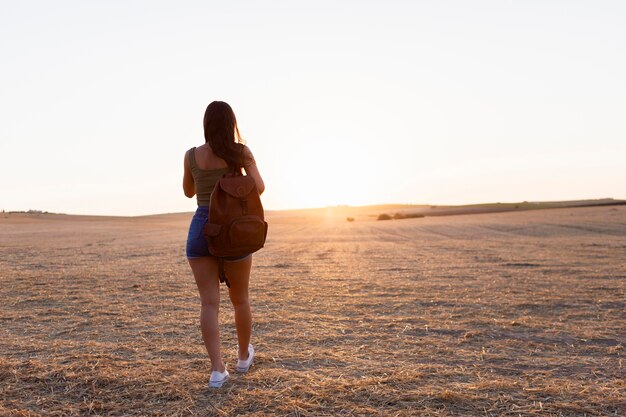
pixel 207 160
pixel 206 169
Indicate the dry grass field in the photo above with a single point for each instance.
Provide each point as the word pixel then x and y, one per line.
pixel 505 314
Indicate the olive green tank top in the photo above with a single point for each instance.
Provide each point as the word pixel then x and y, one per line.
pixel 204 179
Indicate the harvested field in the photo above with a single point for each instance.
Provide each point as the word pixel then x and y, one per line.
pixel 520 313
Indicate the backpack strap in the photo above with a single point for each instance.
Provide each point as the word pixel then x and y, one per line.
pixel 222 272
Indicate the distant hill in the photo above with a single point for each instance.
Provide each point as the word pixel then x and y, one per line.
pixel 419 211
pixel 400 211
pixel 397 211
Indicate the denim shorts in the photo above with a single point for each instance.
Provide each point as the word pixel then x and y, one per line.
pixel 197 245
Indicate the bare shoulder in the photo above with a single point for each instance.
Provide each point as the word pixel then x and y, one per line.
pixel 202 152
pixel 248 157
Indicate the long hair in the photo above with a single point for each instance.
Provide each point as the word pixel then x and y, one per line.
pixel 222 134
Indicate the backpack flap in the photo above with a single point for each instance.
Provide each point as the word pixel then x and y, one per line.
pixel 238 187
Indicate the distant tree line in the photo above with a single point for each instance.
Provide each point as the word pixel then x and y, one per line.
pixel 399 216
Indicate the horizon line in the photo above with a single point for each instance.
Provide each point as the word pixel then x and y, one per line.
pixel 608 199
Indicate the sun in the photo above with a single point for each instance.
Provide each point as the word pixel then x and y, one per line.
pixel 319 178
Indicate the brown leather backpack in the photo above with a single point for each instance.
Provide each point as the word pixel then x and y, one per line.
pixel 236 224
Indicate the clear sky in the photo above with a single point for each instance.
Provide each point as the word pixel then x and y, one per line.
pixel 342 102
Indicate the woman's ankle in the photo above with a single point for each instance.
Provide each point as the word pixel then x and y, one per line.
pixel 220 368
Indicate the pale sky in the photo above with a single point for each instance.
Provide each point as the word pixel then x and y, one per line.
pixel 342 102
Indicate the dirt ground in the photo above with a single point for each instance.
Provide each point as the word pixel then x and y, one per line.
pixel 478 315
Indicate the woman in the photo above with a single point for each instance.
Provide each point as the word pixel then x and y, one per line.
pixel 222 152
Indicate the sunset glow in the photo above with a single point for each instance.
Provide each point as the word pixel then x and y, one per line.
pixel 353 103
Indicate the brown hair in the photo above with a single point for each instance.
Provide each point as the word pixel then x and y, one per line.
pixel 222 134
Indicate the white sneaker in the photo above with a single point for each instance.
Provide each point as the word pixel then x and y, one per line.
pixel 244 365
pixel 218 378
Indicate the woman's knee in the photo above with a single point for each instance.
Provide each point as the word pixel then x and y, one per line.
pixel 210 300
pixel 239 299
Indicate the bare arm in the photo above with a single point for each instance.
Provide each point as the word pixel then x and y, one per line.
pixel 252 170
pixel 189 187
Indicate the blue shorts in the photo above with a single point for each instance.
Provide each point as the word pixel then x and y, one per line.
pixel 197 246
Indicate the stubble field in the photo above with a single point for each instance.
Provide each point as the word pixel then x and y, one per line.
pixel 496 314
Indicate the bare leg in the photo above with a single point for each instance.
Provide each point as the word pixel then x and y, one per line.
pixel 206 275
pixel 239 278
